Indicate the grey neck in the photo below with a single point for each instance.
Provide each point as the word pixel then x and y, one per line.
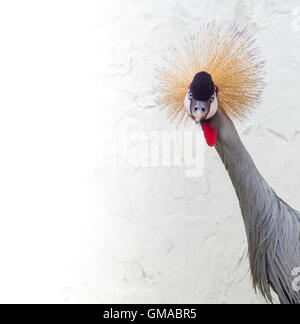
pixel 252 190
pixel 272 255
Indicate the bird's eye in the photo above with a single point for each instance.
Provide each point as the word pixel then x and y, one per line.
pixel 212 98
pixel 190 95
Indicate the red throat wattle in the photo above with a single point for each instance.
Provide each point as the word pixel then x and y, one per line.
pixel 209 133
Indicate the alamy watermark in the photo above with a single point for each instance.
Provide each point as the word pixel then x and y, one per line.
pixel 134 147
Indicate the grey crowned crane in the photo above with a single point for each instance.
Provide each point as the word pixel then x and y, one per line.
pixel 218 76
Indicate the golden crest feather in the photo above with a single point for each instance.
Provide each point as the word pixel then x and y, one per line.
pixel 228 55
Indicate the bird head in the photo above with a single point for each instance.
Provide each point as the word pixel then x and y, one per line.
pixel 230 87
pixel 201 103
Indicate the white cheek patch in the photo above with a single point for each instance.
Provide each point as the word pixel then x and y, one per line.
pixel 187 104
pixel 213 108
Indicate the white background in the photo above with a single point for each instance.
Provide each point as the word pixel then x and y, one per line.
pixel 76 228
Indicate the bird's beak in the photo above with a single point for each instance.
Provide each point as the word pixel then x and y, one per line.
pixel 200 110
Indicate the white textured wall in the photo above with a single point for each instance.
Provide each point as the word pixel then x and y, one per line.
pixel 109 234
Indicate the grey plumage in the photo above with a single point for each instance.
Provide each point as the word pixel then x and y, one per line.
pixel 272 226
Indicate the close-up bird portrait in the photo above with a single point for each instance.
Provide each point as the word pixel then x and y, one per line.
pixel 150 155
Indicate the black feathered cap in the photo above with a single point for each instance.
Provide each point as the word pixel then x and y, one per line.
pixel 202 87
